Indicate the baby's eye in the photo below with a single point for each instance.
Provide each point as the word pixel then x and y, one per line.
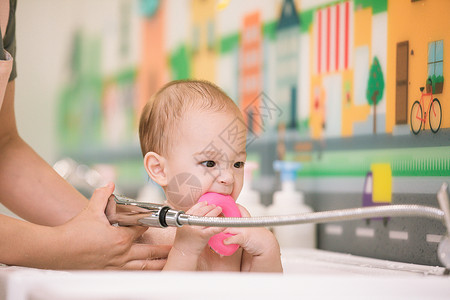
pixel 209 163
pixel 239 164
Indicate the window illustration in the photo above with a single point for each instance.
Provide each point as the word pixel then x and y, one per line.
pixel 436 66
pixel 195 38
pixel 210 36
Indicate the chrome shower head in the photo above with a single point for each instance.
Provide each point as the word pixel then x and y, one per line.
pixel 124 211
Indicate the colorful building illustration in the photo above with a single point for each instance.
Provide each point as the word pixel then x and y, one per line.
pixel 341 53
pixel 251 69
pixel 417 50
pixel 203 40
pixel 153 70
pixel 287 53
pixel 336 51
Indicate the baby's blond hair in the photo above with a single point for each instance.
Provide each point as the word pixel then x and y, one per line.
pixel 164 111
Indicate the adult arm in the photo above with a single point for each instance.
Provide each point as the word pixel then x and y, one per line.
pixel 28 185
pixel 87 241
pixel 84 238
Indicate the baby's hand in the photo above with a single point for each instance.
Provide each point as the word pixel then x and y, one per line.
pixel 261 248
pixel 255 241
pixel 191 240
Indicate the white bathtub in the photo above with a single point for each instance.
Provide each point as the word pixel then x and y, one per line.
pixel 308 275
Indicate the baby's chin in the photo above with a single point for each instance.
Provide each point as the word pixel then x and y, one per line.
pixel 180 206
pixel 185 203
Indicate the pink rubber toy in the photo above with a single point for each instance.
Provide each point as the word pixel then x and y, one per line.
pixel 229 209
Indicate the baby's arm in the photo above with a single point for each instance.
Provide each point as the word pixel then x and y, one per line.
pixel 191 240
pixel 261 248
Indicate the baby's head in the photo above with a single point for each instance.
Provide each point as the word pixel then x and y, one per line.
pixel 193 137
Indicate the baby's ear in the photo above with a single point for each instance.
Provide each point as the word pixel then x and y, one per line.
pixel 155 166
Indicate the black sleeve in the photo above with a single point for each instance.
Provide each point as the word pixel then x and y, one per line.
pixel 9 40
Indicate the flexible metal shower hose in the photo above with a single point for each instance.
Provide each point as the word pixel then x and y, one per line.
pixel 317 217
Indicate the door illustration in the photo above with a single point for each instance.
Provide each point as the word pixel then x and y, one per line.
pixel 401 83
pixel 293 108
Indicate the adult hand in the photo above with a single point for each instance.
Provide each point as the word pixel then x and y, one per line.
pixel 88 241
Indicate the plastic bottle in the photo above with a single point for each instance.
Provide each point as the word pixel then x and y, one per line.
pixel 248 197
pixel 289 201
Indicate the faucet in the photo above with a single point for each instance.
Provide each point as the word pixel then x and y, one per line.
pixel 444 245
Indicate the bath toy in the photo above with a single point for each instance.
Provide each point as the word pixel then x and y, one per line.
pixel 229 209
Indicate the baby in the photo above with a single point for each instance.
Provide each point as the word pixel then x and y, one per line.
pixel 193 140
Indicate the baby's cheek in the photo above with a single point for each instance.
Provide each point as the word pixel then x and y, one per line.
pixel 209 175
pixel 236 191
pixel 183 190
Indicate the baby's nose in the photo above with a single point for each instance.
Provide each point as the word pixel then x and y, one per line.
pixel 225 177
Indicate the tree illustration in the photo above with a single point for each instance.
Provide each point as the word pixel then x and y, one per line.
pixel 375 88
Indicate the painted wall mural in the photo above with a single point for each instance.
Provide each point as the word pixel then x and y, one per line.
pixel 337 70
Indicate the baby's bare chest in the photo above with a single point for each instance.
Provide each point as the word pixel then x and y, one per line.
pixel 211 261
pixel 208 261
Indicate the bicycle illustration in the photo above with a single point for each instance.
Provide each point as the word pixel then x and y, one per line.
pixel 419 113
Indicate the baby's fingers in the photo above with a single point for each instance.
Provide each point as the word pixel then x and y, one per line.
pixel 203 209
pixel 214 212
pixel 213 230
pixel 196 208
pixel 235 230
pixel 235 239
